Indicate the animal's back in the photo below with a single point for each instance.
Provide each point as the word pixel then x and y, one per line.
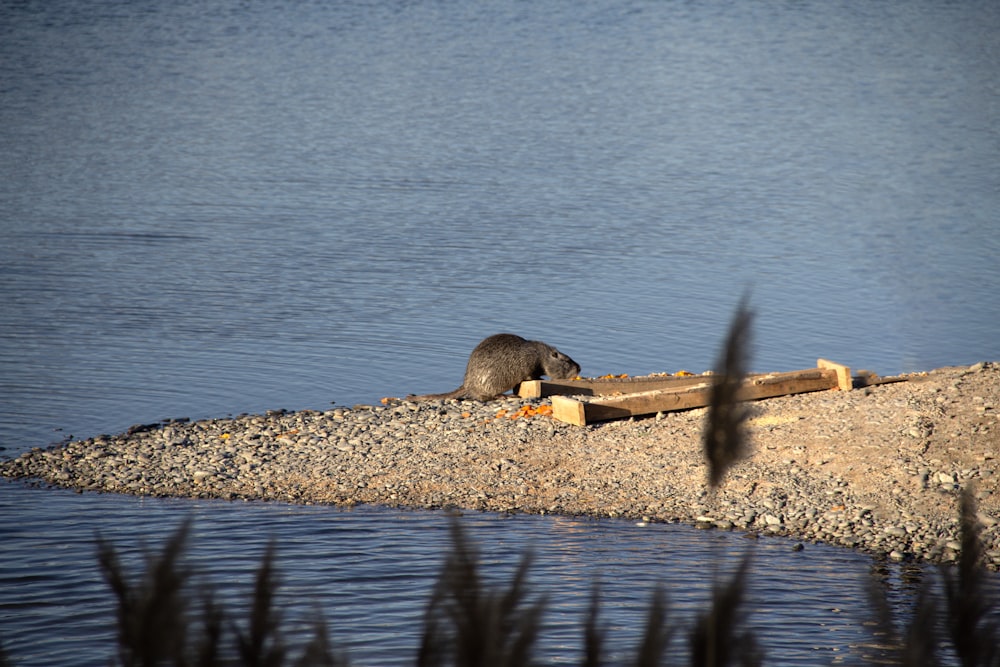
pixel 502 361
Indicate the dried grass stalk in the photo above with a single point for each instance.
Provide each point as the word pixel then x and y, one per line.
pixel 724 434
pixel 718 637
pixel 158 625
pixel 153 611
pixel 974 635
pixel 469 625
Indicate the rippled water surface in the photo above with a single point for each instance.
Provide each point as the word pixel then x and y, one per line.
pixel 369 571
pixel 215 208
pixel 225 208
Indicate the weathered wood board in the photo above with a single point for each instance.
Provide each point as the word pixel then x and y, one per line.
pixel 605 386
pixel 844 380
pixel 695 392
pixel 582 411
pixel 614 386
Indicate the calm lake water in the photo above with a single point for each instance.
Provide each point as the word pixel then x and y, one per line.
pixel 216 208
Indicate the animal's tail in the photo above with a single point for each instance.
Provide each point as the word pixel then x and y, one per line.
pixel 458 393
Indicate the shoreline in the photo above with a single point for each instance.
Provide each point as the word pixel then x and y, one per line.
pixel 876 469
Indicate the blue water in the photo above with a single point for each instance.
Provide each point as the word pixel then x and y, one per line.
pixel 370 572
pixel 215 208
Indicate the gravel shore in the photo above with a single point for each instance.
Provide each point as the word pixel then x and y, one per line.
pixel 877 469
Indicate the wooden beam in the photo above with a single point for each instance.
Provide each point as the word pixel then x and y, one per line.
pixel 605 386
pixel 602 408
pixel 844 380
pixel 781 384
pixel 569 410
pixel 585 409
pixel 617 386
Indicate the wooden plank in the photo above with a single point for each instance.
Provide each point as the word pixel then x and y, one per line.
pixel 792 382
pixel 585 410
pixel 844 380
pixel 604 386
pixel 615 398
pixel 569 410
pixel 601 408
pixel 618 386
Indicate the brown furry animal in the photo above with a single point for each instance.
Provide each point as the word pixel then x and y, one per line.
pixel 501 362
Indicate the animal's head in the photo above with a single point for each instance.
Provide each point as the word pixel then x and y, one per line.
pixel 559 366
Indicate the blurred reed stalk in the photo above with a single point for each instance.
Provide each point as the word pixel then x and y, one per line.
pixel 469 623
pixel 724 436
pixel 959 619
pixel 718 637
pixel 159 624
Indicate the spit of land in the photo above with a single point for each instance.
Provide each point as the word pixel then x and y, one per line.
pixel 877 469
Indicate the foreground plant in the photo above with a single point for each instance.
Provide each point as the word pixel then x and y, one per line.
pixel 159 623
pixel 719 636
pixel 975 636
pixel 153 611
pixel 468 625
pixel 165 616
pixel 962 619
pixel 724 436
